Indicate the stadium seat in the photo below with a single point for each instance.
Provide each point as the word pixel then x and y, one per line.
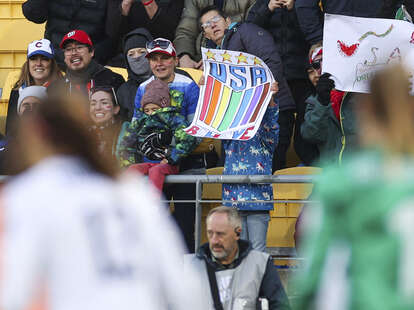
pixel 283 217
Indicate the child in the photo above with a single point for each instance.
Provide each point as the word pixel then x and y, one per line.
pixel 253 156
pixel 156 133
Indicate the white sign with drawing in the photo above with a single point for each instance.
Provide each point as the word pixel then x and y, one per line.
pixel 354 48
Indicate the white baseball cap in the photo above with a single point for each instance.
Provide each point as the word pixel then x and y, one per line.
pixel 40 47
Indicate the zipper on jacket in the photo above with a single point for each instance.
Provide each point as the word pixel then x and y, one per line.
pixel 343 139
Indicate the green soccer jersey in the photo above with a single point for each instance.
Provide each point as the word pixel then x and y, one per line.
pixel 359 250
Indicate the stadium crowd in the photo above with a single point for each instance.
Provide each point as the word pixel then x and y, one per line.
pixel 137 125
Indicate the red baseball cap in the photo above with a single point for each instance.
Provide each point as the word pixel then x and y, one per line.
pixel 78 36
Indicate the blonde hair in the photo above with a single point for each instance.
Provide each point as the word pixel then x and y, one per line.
pixel 393 109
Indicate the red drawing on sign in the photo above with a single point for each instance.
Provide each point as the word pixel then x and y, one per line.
pixel 347 50
pixel 412 38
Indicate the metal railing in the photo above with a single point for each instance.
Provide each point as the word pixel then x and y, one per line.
pixel 199 180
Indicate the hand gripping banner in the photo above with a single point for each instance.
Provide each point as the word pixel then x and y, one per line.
pixel 234 96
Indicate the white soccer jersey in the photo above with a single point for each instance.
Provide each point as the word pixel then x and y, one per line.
pixel 93 243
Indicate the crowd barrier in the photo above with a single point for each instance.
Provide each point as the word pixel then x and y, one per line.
pixel 199 180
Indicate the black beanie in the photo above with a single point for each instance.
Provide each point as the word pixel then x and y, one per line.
pixel 135 41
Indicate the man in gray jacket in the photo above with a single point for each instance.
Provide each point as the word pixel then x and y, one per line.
pixel 232 274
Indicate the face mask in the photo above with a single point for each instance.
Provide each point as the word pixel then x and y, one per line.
pixel 140 65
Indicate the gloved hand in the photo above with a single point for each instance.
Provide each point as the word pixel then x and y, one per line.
pixel 324 87
pixel 155 145
pixel 158 140
pixel 152 153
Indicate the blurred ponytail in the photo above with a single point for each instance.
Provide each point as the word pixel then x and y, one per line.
pixel 393 108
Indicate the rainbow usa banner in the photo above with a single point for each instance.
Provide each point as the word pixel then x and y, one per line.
pixel 234 96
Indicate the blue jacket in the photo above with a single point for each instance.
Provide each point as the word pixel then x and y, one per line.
pixel 290 42
pixel 252 39
pixel 311 17
pixel 184 94
pixel 253 156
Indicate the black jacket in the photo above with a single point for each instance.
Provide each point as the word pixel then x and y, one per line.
pixel 311 17
pixel 271 287
pixel 252 39
pixel 63 16
pixel 127 91
pixel 162 25
pixel 291 44
pixel 80 82
pixel 12 116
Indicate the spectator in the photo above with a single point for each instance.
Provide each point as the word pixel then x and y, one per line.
pixel 358 243
pixel 310 14
pixel 29 98
pixel 83 72
pixel 161 120
pixel 138 69
pixel 81 232
pixel 160 17
pixel 234 275
pixel 330 115
pixel 62 16
pixel 249 38
pixel 189 37
pixel 279 18
pixel 184 94
pixel 107 125
pixel 39 69
pixel 28 102
pixel 253 156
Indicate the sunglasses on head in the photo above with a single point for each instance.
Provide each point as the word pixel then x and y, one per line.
pixel 107 89
pixel 158 43
pixel 316 64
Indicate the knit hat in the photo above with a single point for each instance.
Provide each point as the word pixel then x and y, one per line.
pixel 40 47
pixel 135 41
pixel 156 92
pixel 31 91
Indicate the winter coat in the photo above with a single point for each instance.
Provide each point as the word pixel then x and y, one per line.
pixel 252 156
pixel 291 44
pixel 162 25
pixel 254 276
pixel 360 236
pixel 333 138
pixel 162 120
pixel 188 37
pixel 252 39
pixel 184 94
pixel 63 16
pixel 127 91
pixel 311 17
pixel 12 116
pixel 107 137
pixel 94 75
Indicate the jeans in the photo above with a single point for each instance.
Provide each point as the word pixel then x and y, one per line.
pixel 254 228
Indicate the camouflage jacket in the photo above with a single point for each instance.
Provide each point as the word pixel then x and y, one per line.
pixel 142 125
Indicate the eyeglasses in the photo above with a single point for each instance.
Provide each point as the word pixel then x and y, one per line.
pixel 164 44
pixel 316 64
pixel 210 22
pixel 71 50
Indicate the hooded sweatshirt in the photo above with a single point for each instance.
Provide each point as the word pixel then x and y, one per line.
pixel 126 93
